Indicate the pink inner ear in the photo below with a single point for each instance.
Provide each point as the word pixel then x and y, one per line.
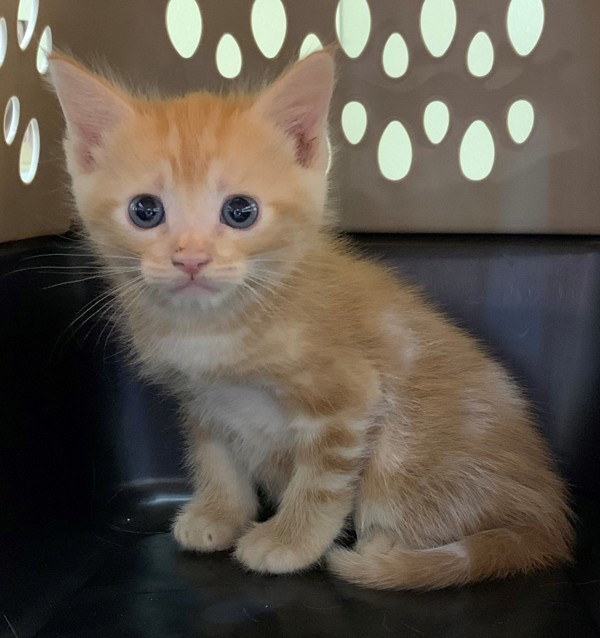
pixel 92 107
pixel 305 134
pixel 88 128
pixel 298 104
pixel 84 145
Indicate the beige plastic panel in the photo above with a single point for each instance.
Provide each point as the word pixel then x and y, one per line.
pixel 549 183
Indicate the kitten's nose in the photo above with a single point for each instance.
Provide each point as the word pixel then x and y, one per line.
pixel 191 265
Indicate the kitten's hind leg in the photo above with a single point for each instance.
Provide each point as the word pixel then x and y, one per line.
pixel 223 503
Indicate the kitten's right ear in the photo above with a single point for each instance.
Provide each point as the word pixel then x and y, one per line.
pixel 91 105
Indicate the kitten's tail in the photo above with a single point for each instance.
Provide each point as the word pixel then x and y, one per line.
pixel 494 553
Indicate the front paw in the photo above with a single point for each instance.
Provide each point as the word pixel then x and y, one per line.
pixel 263 550
pixel 198 529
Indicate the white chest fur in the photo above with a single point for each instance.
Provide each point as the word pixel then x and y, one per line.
pixel 198 354
pixel 248 416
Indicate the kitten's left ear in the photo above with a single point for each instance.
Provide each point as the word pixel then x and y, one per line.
pixel 91 105
pixel 298 103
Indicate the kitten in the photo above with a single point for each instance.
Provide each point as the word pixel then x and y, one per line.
pixel 300 367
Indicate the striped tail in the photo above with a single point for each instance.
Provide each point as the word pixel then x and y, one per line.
pixel 494 553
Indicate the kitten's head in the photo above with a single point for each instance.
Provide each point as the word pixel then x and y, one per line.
pixel 201 197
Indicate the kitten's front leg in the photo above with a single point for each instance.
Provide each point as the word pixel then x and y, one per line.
pixel 314 506
pixel 224 500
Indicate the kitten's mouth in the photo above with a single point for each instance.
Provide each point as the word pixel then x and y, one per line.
pixel 195 287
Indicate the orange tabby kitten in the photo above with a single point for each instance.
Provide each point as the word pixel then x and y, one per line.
pixel 300 367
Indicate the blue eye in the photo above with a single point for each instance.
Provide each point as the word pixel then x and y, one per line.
pixel 239 211
pixel 146 211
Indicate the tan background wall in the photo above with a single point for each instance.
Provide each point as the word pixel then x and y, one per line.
pixel 548 184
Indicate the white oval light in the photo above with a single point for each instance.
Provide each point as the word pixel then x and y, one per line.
pixel 310 44
pixel 436 121
pixel 395 56
pixel 30 152
pixel 27 14
pixel 520 120
pixel 229 56
pixel 44 50
pixel 353 26
pixel 269 25
pixel 477 152
pixel 11 119
pixel 394 153
pixel 184 26
pixel 438 25
pixel 525 23
pixel 480 56
pixel 354 122
pixel 3 40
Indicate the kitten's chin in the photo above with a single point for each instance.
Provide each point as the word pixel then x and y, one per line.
pixel 195 287
pixel 192 294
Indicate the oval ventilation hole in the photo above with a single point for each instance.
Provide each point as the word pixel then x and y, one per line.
pixel 26 18
pixel 394 153
pixel 520 121
pixel 353 26
pixel 436 121
pixel 184 26
pixel 3 40
pixel 438 25
pixel 310 44
pixel 229 56
pixel 354 122
pixel 11 119
pixel 395 56
pixel 525 23
pixel 44 50
pixel 30 152
pixel 269 24
pixel 477 152
pixel 480 56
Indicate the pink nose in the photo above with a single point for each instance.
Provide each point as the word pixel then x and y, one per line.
pixel 191 265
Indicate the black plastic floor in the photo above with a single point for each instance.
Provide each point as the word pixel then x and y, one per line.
pixel 76 584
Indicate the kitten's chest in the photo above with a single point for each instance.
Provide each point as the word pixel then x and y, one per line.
pixel 198 354
pixel 248 416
